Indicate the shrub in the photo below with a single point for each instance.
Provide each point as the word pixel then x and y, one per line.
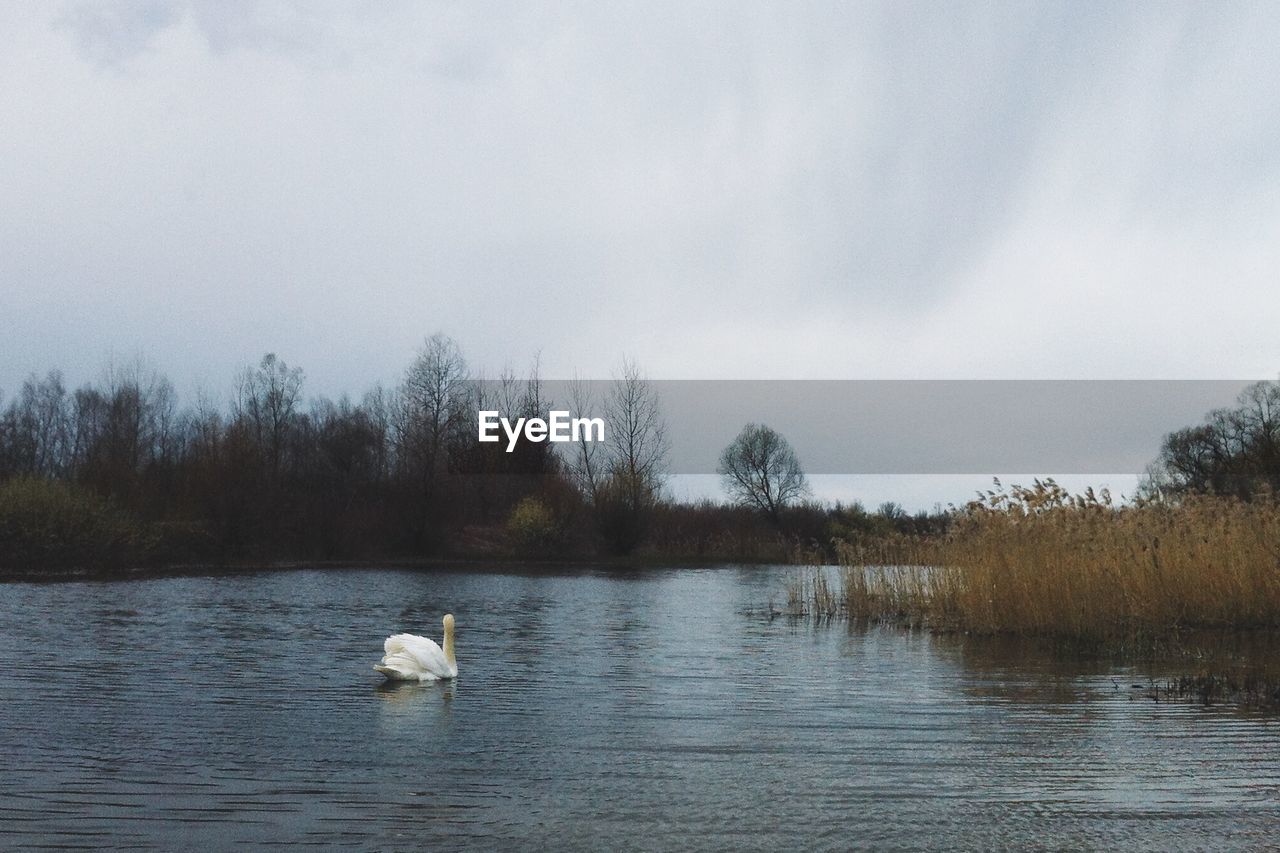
pixel 533 527
pixel 48 526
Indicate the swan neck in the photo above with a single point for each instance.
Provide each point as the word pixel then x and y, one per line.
pixel 448 642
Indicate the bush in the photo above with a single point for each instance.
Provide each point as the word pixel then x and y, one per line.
pixel 55 527
pixel 533 527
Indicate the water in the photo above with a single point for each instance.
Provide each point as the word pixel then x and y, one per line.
pixel 649 711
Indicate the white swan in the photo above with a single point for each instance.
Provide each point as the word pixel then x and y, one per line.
pixel 412 658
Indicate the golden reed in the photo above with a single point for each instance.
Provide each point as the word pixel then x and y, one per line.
pixel 1037 561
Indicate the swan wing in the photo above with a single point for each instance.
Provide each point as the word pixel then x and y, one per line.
pixel 416 656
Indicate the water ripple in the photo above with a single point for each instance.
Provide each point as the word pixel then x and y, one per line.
pixel 644 712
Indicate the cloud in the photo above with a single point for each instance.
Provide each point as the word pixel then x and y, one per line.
pixel 812 189
pixel 111 33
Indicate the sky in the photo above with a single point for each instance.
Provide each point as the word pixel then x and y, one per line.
pixel 716 190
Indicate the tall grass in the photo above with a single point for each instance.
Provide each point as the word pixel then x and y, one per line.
pixel 812 594
pixel 1037 561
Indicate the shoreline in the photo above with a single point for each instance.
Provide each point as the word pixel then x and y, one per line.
pixel 478 565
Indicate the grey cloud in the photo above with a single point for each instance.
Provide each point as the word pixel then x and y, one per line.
pixel 807 189
pixel 108 33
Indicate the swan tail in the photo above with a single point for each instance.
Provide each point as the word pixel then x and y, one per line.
pixel 401 666
pixel 395 673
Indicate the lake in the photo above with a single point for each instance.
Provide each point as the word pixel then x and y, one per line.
pixel 652 710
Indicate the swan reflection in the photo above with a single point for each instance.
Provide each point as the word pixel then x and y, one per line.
pixel 411 694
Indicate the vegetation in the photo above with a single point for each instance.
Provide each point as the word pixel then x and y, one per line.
pixel 1236 451
pixel 274 476
pixel 116 474
pixel 64 527
pixel 622 482
pixel 534 528
pixel 1037 561
pixel 760 469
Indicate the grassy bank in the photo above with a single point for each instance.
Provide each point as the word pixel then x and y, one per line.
pixel 1039 562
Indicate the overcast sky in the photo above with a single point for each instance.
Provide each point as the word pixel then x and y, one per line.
pixel 719 190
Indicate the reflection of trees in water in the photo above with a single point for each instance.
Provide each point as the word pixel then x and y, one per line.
pixel 406 692
pixel 529 630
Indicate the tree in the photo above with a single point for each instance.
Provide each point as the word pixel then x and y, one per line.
pixel 637 446
pixel 892 511
pixel 37 428
pixel 433 397
pixel 434 403
pixel 267 402
pixel 760 469
pixel 586 459
pixel 341 474
pixel 1234 452
pixel 124 434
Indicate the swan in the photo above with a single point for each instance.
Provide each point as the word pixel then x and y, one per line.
pixel 412 658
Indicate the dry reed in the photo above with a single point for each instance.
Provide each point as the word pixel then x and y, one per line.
pixel 812 594
pixel 1037 561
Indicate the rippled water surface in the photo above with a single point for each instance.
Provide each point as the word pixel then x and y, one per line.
pixel 647 711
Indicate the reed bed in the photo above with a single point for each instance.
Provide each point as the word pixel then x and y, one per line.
pixel 811 594
pixel 1037 561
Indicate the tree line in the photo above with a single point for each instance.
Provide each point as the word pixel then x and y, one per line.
pixel 274 475
pixel 119 470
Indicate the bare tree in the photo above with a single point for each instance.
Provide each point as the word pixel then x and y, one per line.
pixel 143 409
pixel 760 469
pixel 39 427
pixel 1236 451
pixel 434 405
pixel 123 429
pixel 380 404
pixel 1258 419
pixel 585 463
pixel 891 511
pixel 267 400
pixel 637 447
pixel 637 433
pixel 534 458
